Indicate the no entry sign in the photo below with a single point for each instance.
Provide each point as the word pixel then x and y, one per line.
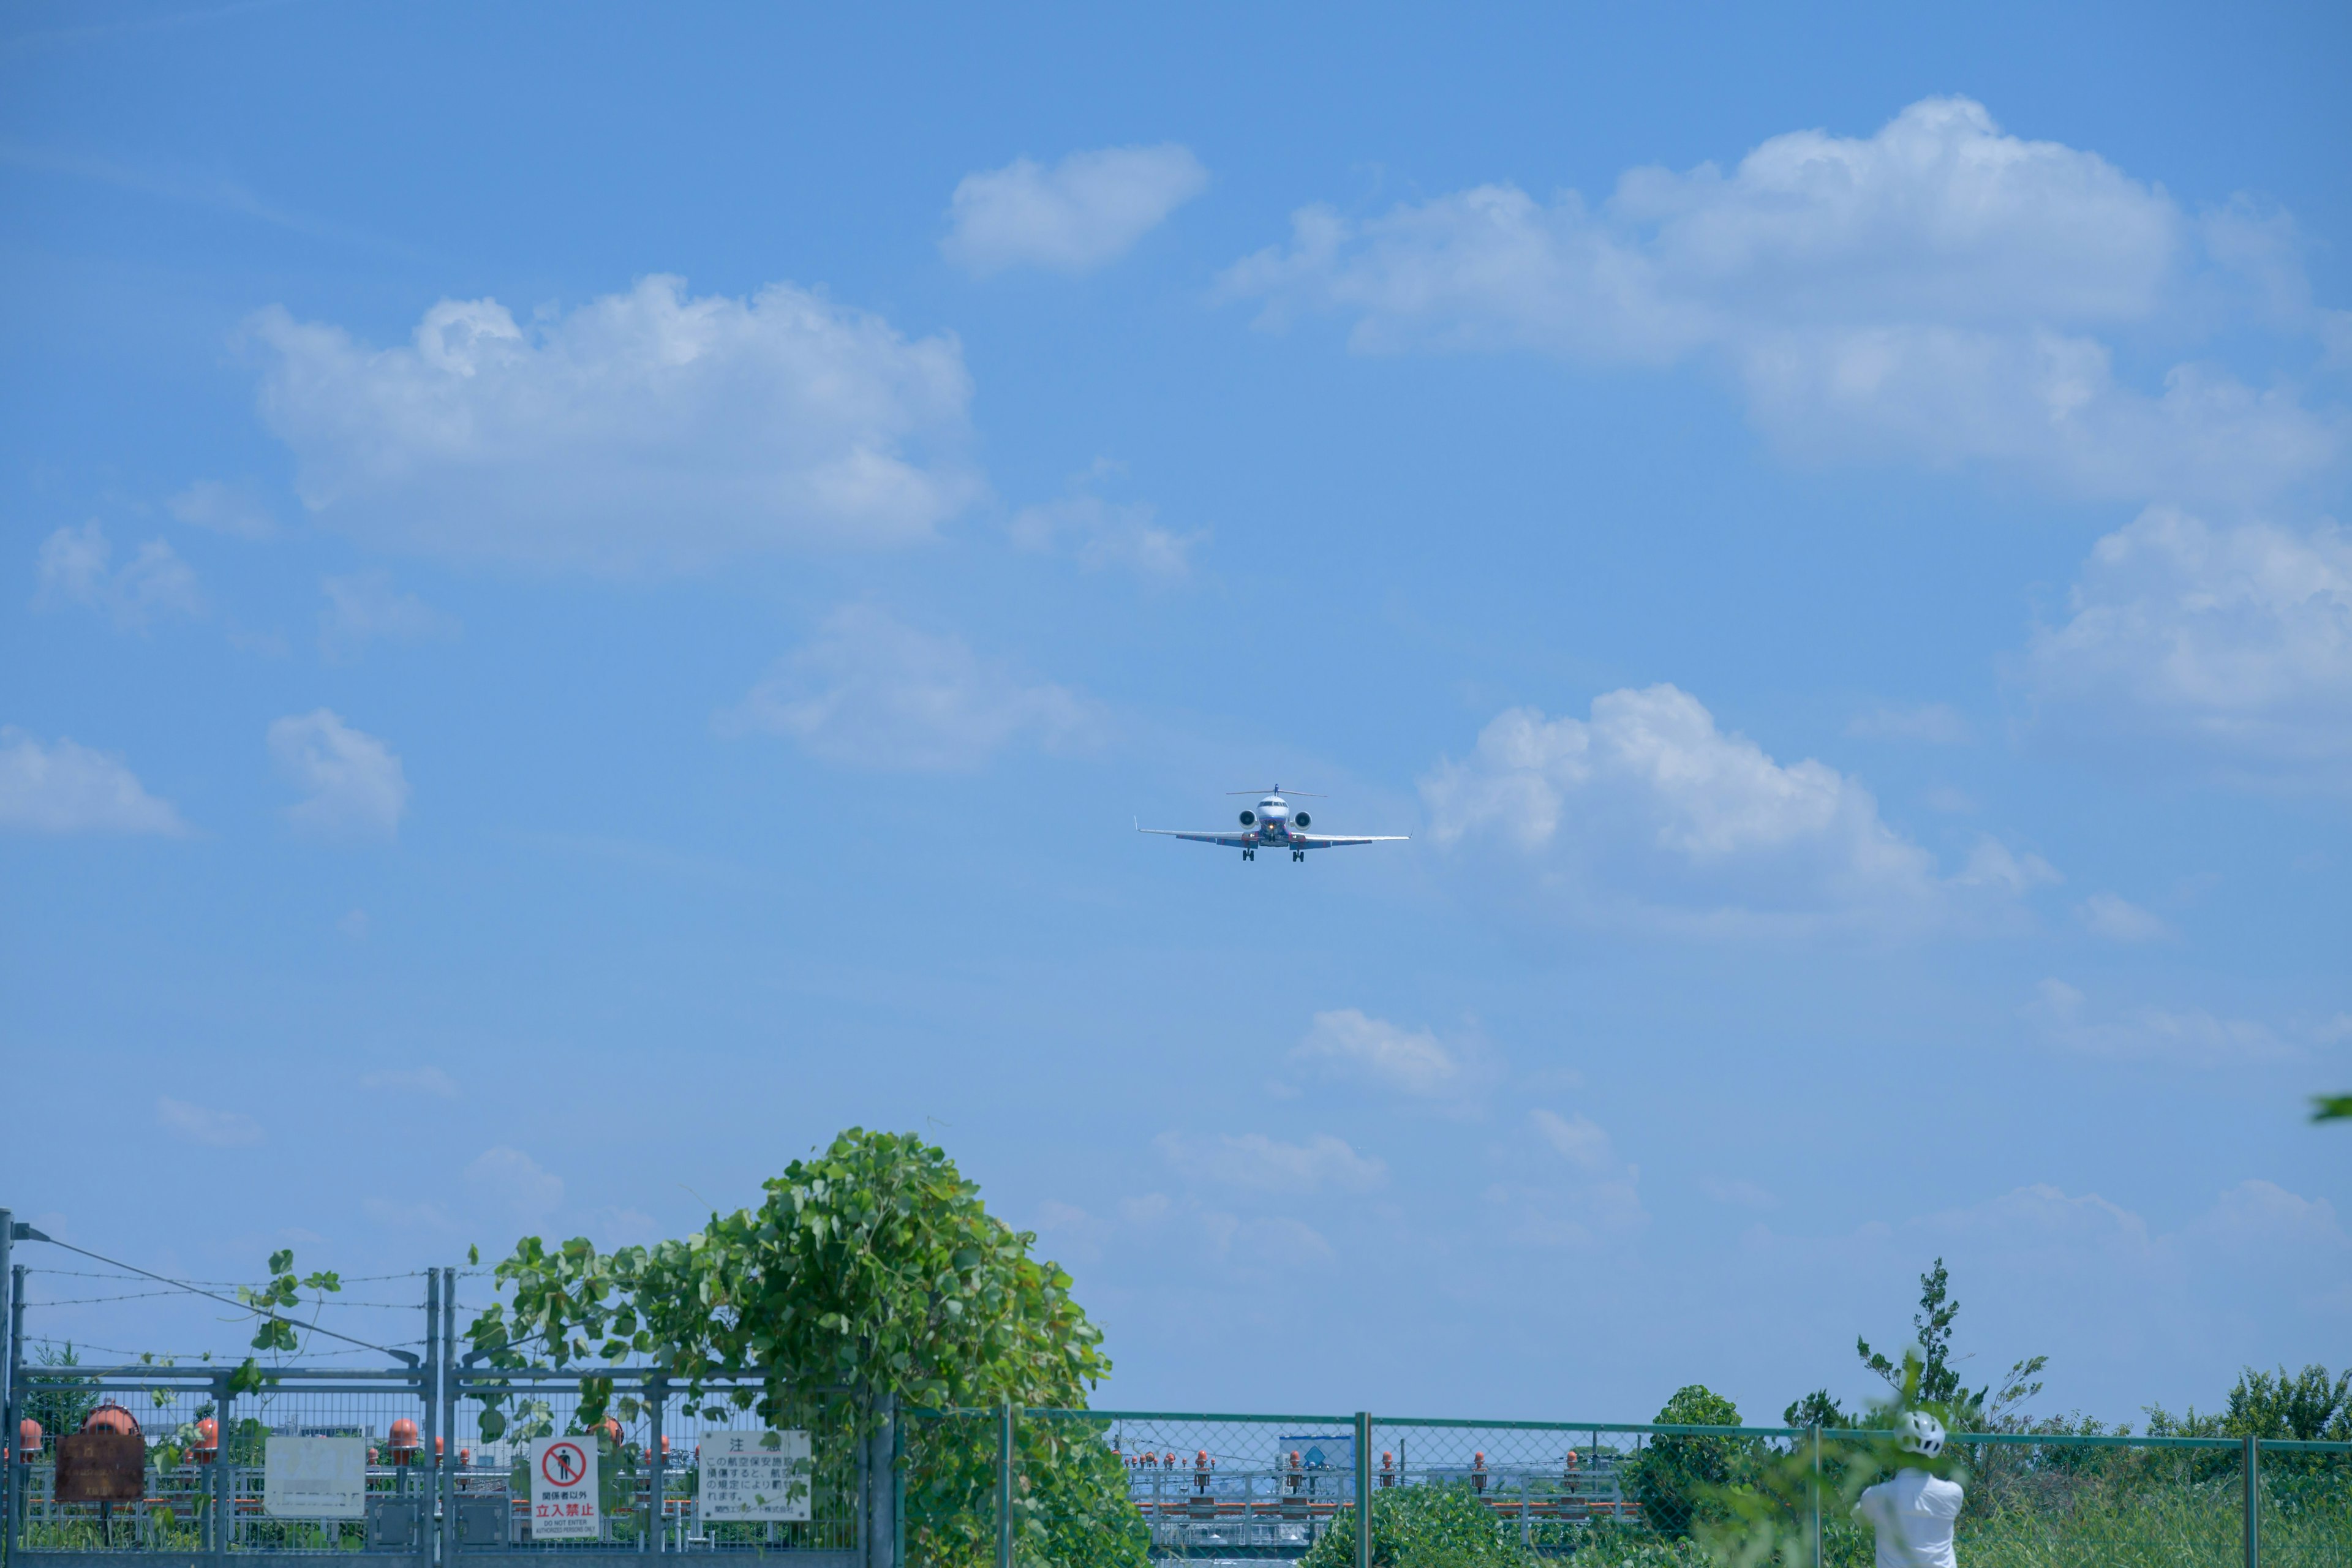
pixel 563 1490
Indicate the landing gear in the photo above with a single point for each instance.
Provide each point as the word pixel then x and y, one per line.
pixel 1298 855
pixel 1249 854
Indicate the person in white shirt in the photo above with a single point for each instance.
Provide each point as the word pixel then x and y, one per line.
pixel 1914 1514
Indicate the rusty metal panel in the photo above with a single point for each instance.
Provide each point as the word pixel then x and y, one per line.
pixel 101 1467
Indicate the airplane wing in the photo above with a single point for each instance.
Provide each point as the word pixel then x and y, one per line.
pixel 1335 841
pixel 1230 840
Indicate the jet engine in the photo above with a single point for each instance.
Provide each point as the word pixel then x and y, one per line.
pixel 1248 817
pixel 1302 819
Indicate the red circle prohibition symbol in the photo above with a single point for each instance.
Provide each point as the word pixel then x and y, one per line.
pixel 563 1464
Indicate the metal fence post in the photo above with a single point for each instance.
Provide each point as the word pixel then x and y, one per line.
pixel 448 1398
pixel 1364 1489
pixel 656 1464
pixel 223 1463
pixel 2253 1465
pixel 1004 1485
pixel 427 1382
pixel 13 1476
pixel 1813 1528
pixel 881 1473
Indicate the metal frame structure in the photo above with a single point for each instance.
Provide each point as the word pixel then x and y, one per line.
pixel 224 1490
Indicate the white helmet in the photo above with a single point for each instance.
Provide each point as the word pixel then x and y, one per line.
pixel 1922 1433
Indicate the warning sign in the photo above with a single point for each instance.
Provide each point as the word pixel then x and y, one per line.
pixel 314 1477
pixel 563 1490
pixel 754 1475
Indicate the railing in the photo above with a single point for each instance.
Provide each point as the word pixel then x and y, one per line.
pixel 1105 1488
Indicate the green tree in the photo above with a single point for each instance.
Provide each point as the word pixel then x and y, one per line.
pixel 1676 1480
pixel 873 1270
pixel 2331 1107
pixel 2306 1405
pixel 1939 1385
pixel 1819 1408
pixel 1421 1527
pixel 1932 1330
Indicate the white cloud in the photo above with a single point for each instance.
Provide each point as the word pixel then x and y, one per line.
pixel 2119 919
pixel 68 788
pixel 871 691
pixel 1102 534
pixel 1347 1043
pixel 1992 864
pixel 364 608
pixel 2191 1036
pixel 1261 1163
pixel 77 567
pixel 1540 1204
pixel 224 509
pixel 214 1129
pixel 353 782
pixel 2233 646
pixel 429 1081
pixel 516 1182
pixel 1934 723
pixel 1575 1139
pixel 1085 211
pixel 1927 291
pixel 645 428
pixel 1738 1191
pixel 1648 810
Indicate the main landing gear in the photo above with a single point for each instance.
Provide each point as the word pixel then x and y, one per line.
pixel 1298 855
pixel 1249 854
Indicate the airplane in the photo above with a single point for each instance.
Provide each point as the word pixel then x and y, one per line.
pixel 1274 826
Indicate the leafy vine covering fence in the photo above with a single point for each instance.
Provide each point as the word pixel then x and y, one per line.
pixel 1008 1487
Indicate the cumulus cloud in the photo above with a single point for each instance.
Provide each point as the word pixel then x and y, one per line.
pixel 67 788
pixel 1566 1187
pixel 428 1080
pixel 212 1129
pixel 2228 646
pixel 1346 1044
pixel 516 1182
pixel 2117 919
pixel 1740 1192
pixel 1931 291
pixel 2190 1036
pixel 1258 1162
pixel 1085 211
pixel 225 509
pixel 1099 532
pixel 1648 810
pixel 77 567
pixel 645 428
pixel 871 691
pixel 352 783
pixel 364 608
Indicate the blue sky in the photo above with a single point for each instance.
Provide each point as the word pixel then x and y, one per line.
pixel 588 600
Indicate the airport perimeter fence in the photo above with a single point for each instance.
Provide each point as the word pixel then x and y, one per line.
pixel 997 1489
pixel 448 1477
pixel 449 1458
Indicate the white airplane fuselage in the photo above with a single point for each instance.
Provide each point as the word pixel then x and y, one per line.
pixel 1271 820
pixel 1272 823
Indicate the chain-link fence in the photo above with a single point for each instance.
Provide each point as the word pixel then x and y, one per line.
pixel 439 1459
pixel 446 1459
pixel 1030 1487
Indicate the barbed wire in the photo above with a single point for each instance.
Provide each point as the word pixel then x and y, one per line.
pixel 31 1272
pixel 200 1358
